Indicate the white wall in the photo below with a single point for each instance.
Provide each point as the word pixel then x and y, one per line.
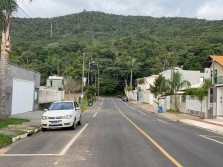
pixel 22 96
pixel 220 101
pixel 193 106
pixel 49 96
pixel 186 75
pixel 148 80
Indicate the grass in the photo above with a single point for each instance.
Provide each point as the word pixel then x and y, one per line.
pixel 6 140
pixel 11 121
pixel 174 111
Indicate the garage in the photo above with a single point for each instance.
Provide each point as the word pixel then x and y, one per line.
pixel 22 96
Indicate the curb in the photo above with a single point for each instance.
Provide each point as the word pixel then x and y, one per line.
pixel 28 133
pixel 190 124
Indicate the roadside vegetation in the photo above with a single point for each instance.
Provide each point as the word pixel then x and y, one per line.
pixel 11 121
pixel 6 139
pixel 119 48
pixel 174 111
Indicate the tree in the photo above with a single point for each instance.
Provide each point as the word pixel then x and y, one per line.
pixel 159 87
pixel 200 92
pixel 6 9
pixel 175 83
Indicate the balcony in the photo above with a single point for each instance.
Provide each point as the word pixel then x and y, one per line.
pixel 218 80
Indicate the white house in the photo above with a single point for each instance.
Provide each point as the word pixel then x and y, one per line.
pixel 215 100
pixel 194 77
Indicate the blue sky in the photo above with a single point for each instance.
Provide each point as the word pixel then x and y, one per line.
pixel 203 9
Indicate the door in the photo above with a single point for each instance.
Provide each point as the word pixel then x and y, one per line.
pixel 22 96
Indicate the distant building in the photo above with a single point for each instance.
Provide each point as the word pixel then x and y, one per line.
pixel 55 83
pixel 53 91
pixel 194 77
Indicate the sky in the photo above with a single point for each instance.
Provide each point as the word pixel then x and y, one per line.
pixel 202 9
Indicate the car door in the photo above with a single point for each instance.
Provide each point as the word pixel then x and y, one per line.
pixel 78 110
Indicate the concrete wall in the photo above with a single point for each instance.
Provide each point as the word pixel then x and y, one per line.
pixel 193 106
pixel 15 72
pixel 49 96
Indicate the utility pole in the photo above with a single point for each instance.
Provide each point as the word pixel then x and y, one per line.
pixel 51 30
pixel 82 85
pixel 98 80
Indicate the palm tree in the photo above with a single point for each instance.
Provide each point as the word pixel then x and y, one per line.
pixel 159 87
pixel 175 83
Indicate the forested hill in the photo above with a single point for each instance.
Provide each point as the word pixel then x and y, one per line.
pixel 118 43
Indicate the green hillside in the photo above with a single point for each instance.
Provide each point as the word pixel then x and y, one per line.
pixel 113 41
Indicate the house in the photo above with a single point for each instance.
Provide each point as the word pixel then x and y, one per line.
pixel 144 93
pixel 53 91
pixel 215 100
pixel 22 89
pixel 197 78
pixel 187 104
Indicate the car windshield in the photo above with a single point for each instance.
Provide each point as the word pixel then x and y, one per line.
pixel 61 106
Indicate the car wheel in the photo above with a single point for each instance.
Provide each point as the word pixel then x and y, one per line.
pixel 44 129
pixel 73 127
pixel 79 122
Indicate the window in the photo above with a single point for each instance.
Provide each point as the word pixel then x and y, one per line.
pixel 211 95
pixel 61 106
pixel 51 83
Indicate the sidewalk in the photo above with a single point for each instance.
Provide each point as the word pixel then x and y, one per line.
pixel 215 125
pixel 31 127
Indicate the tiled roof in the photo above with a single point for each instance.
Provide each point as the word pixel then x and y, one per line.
pixel 210 59
pixel 218 59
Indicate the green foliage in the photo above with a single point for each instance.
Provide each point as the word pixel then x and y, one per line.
pixel 117 43
pixel 7 6
pixel 174 111
pixel 175 82
pixel 90 91
pixel 200 92
pixel 140 81
pixel 159 87
pixel 128 88
pixel 5 140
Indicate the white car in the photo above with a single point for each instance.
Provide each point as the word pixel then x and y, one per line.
pixel 62 114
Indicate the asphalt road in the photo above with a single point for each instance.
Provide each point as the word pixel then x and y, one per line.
pixel 117 134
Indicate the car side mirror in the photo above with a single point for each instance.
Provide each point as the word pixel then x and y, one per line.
pixel 77 108
pixel 45 110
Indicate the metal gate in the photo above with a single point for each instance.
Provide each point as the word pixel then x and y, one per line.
pixel 22 96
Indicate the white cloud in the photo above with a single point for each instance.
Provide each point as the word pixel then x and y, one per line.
pixel 209 9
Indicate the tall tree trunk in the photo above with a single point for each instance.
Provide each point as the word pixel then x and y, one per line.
pixel 5 50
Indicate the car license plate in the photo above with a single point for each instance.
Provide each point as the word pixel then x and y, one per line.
pixel 54 122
